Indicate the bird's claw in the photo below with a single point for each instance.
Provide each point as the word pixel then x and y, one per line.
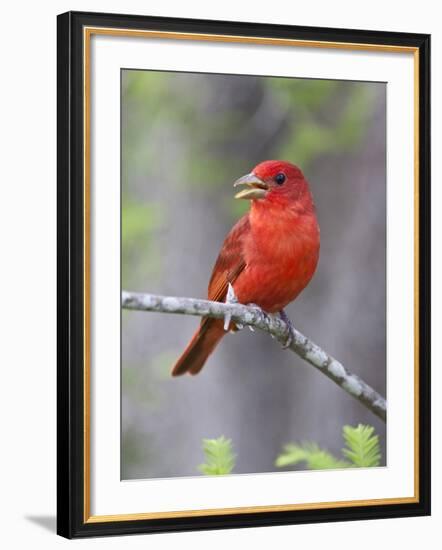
pixel 288 342
pixel 289 339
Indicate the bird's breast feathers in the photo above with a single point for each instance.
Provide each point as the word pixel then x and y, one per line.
pixel 280 259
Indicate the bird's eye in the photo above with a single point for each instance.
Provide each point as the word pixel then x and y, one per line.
pixel 280 178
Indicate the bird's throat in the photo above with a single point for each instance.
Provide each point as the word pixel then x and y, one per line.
pixel 279 234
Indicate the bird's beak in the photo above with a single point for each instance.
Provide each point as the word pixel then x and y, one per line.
pixel 256 188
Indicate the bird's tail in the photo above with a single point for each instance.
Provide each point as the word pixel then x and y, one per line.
pixel 203 342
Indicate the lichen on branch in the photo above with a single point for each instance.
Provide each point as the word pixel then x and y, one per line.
pixel 255 317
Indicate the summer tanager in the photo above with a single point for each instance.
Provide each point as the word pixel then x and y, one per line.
pixel 268 257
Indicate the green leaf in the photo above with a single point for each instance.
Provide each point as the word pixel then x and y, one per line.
pixel 220 458
pixel 362 446
pixel 310 453
pixel 362 450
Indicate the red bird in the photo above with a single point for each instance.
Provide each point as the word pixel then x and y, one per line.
pixel 268 257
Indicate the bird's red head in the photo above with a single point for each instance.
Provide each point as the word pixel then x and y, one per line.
pixel 274 181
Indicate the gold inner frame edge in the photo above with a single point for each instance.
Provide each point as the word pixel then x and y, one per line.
pixel 87 33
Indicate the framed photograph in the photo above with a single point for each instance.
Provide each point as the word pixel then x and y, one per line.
pixel 243 274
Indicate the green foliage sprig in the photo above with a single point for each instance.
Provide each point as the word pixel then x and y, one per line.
pixel 362 446
pixel 361 450
pixel 220 458
pixel 310 453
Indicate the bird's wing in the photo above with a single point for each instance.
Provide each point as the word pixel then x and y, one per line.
pixel 230 262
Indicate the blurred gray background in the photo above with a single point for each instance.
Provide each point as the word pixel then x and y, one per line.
pixel 185 139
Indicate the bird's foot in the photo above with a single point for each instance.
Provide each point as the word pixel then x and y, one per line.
pixel 230 299
pixel 289 339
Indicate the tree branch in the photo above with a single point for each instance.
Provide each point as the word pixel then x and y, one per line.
pixel 255 317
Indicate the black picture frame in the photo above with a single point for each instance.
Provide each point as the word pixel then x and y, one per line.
pixel 71 522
